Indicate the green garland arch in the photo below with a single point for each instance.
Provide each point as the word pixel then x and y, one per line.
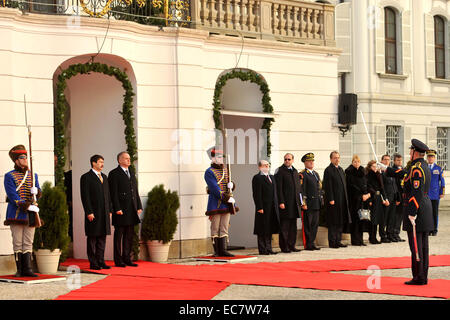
pixel 244 75
pixel 61 106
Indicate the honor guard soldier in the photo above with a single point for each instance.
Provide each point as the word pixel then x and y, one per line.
pixel 312 201
pixel 21 213
pixel 417 214
pixel 221 203
pixel 437 187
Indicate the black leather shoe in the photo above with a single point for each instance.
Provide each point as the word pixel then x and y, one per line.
pixel 341 245
pixel 95 268
pixel 309 249
pixel 393 239
pixel 385 240
pixel 120 265
pixel 272 252
pixel 334 246
pixel 416 282
pixel 130 264
pixel 104 266
pixel 264 253
pixel 316 248
pixel 295 250
pixel 286 251
pixel 400 239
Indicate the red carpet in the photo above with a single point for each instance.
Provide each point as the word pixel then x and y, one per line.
pixel 39 279
pixel 299 274
pixel 143 288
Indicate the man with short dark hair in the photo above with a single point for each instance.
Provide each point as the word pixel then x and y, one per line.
pixel 397 165
pixel 95 197
pixel 289 192
pixel 387 222
pixel 127 207
pixel 336 201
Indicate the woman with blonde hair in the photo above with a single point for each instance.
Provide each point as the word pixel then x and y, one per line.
pixel 376 188
pixel 357 198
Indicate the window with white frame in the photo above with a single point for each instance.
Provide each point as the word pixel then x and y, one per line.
pixel 439 46
pixel 393 140
pixel 442 147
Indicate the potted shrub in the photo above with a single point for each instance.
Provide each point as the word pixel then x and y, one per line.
pixel 160 222
pixel 52 239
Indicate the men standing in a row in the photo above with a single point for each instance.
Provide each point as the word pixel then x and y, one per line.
pixel 21 212
pixel 289 192
pixel 398 162
pixel 387 221
pixel 127 206
pixel 220 202
pixel 336 201
pixel 437 187
pixel 97 206
pixel 267 216
pixel 417 210
pixel 312 201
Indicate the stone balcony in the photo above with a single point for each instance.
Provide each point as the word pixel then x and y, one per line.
pixel 280 20
pixel 295 21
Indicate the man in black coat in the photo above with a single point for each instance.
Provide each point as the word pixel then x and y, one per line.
pixel 289 192
pixel 387 222
pixel 312 201
pixel 418 212
pixel 97 207
pixel 267 216
pixel 336 201
pixel 398 162
pixel 127 206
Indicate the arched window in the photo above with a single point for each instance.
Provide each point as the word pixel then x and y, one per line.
pixel 439 46
pixel 390 35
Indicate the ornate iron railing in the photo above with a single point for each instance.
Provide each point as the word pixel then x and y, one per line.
pixel 283 20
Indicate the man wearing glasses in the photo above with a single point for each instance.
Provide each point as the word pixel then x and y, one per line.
pixel 20 214
pixel 289 192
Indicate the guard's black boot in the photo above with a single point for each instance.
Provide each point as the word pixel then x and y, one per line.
pixel 223 247
pixel 27 270
pixel 18 258
pixel 216 247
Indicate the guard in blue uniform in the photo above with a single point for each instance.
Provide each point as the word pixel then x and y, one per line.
pixel 220 202
pixel 416 209
pixel 437 187
pixel 21 213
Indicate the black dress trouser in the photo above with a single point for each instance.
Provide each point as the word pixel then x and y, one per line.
pixel 96 250
pixel 288 234
pixel 123 241
pixel 264 243
pixel 419 268
pixel 310 226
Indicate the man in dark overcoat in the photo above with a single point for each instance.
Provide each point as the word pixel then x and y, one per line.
pixel 127 206
pixel 417 210
pixel 387 222
pixel 95 197
pixel 336 201
pixel 267 216
pixel 289 192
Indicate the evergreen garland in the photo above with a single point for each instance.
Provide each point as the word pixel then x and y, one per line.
pixel 127 115
pixel 61 106
pixel 244 75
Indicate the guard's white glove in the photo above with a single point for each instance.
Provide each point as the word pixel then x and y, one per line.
pixel 34 190
pixel 33 208
pixel 383 167
pixel 231 200
pixel 230 185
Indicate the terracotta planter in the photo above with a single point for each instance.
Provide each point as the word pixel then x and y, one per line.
pixel 47 261
pixel 158 251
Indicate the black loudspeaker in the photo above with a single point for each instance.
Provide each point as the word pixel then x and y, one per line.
pixel 348 104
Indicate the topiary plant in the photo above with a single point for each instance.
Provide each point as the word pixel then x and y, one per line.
pixel 160 219
pixel 54 212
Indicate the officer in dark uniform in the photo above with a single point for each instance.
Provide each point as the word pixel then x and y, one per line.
pixel 417 209
pixel 312 201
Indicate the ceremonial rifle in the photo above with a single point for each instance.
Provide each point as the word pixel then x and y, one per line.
pixel 30 159
pixel 229 190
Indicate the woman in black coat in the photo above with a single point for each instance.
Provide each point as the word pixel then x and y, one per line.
pixel 378 195
pixel 357 196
